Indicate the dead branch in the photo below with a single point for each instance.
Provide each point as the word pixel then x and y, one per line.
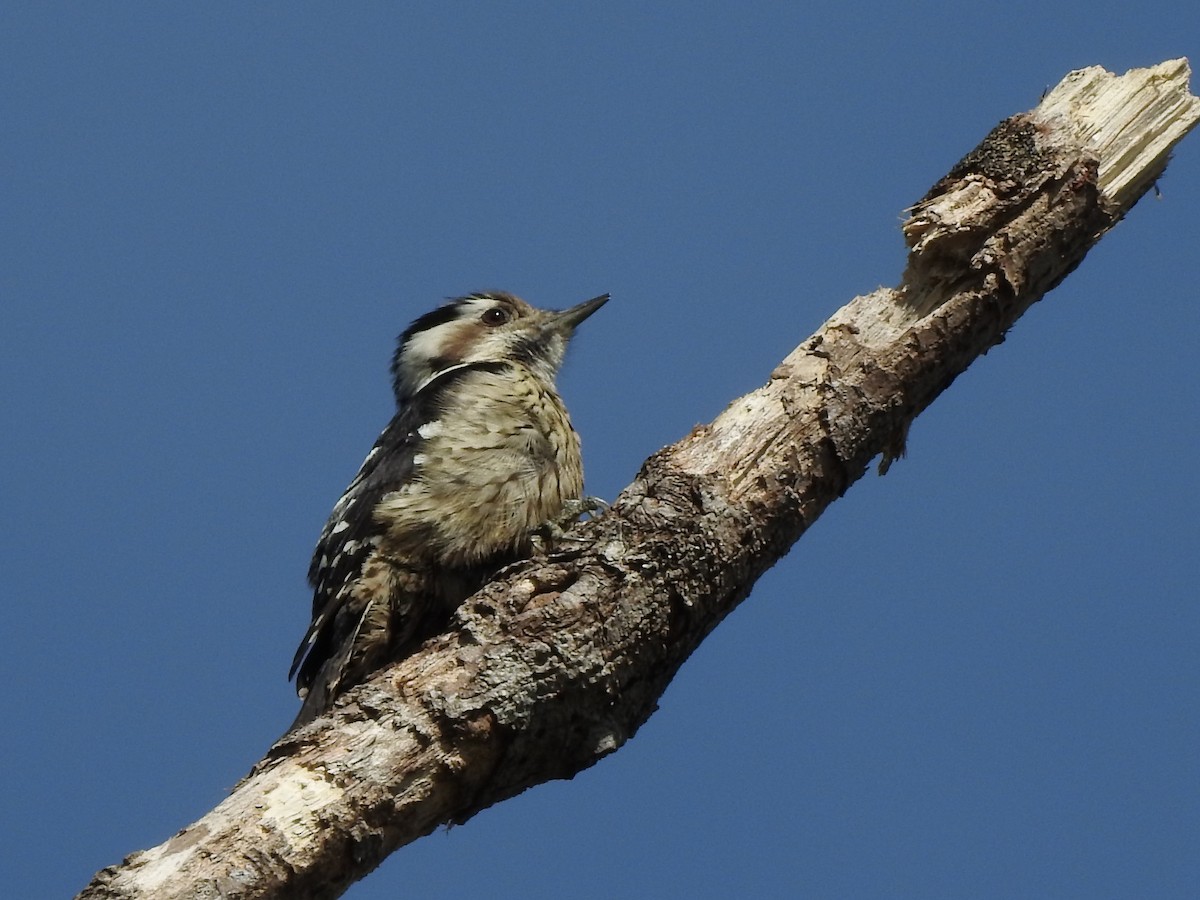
pixel 560 660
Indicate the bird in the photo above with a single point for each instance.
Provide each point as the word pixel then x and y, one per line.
pixel 479 458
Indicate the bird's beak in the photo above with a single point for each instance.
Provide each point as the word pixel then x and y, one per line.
pixel 569 319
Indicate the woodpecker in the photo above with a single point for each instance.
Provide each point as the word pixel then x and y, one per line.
pixel 479 456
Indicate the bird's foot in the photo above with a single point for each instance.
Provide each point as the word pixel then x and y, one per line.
pixel 550 535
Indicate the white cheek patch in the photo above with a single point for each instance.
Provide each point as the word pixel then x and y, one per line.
pixel 425 345
pixel 432 342
pixel 431 429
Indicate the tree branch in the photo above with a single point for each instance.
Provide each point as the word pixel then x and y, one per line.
pixel 558 661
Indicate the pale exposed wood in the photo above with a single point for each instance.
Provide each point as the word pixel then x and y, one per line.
pixel 1129 122
pixel 560 660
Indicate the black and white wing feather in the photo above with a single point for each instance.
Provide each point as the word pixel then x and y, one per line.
pixel 349 537
pixel 354 532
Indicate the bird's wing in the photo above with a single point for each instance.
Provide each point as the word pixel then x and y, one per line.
pixel 352 531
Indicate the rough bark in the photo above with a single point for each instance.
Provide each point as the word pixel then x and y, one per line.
pixel 559 661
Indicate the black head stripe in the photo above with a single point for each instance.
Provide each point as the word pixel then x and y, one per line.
pixel 440 316
pixel 447 312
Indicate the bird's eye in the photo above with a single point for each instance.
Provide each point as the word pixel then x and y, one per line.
pixel 494 316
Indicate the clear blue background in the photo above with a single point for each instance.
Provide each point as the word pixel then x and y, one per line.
pixel 976 677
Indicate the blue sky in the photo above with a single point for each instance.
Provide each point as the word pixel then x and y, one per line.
pixel 974 677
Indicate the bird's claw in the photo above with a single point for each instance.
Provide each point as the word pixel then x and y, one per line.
pixel 547 536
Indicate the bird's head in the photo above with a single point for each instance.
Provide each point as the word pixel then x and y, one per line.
pixel 485 327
